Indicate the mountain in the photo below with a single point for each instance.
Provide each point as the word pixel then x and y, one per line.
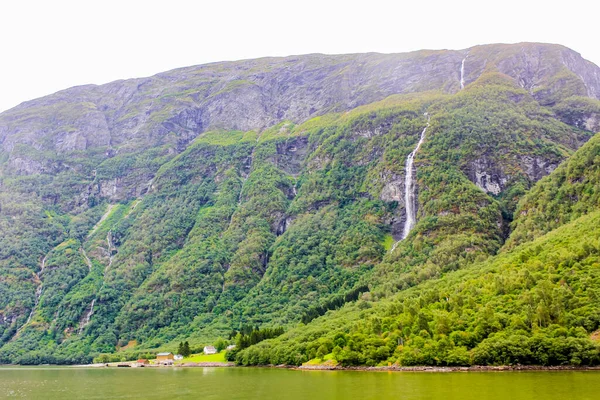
pixel 269 192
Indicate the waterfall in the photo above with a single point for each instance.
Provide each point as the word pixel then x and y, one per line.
pixel 106 214
pixel 88 262
pixel 462 72
pixel 409 188
pixel 410 194
pixel 150 183
pixel 109 243
pixel 38 294
pixel 87 318
pixel 38 290
pixel 110 248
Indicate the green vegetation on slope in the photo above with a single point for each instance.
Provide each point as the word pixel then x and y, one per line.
pixel 531 304
pixel 178 230
pixel 536 304
pixel 571 191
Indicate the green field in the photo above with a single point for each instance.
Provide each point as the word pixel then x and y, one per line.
pixel 219 357
pixel 326 360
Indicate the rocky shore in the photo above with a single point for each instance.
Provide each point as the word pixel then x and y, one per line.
pixel 474 368
pixel 135 365
pixel 325 367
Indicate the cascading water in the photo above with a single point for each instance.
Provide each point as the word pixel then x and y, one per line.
pixel 88 262
pixel 38 294
pixel 38 291
pixel 110 247
pixel 106 214
pixel 462 74
pixel 109 244
pixel 410 190
pixel 87 318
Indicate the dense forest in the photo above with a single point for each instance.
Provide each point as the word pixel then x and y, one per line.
pixel 180 210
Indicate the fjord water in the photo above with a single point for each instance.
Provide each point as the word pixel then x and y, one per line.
pixel 264 383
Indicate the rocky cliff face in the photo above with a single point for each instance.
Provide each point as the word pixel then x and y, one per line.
pixel 255 94
pixel 172 108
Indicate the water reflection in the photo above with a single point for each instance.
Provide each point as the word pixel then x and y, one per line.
pixel 264 383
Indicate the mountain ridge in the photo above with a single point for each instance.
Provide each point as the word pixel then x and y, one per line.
pixel 291 56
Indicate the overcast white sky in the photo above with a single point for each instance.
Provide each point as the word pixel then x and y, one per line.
pixel 49 45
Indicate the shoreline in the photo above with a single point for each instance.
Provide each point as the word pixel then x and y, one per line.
pixel 474 368
pixel 392 368
pixel 132 364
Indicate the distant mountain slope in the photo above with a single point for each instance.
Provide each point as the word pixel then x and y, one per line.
pixel 144 212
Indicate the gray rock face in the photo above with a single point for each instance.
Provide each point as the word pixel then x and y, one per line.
pixel 393 191
pixel 536 167
pixel 592 124
pixel 393 188
pixel 491 178
pixel 487 176
pixel 291 155
pixel 23 166
pixel 176 106
pixel 543 69
pixel 588 72
pixel 171 109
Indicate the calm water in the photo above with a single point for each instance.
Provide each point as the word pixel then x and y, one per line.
pixel 255 383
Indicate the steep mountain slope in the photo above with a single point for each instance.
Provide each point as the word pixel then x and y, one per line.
pixel 531 304
pixel 571 191
pixel 258 192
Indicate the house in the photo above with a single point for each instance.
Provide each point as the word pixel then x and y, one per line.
pixel 178 357
pixel 142 362
pixel 165 358
pixel 210 350
pixel 230 347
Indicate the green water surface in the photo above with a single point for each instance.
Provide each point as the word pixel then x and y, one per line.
pixel 258 383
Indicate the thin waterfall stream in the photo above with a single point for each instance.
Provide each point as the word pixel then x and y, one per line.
pixel 87 318
pixel 38 291
pixel 410 190
pixel 88 315
pixel 38 294
pixel 110 247
pixel 462 72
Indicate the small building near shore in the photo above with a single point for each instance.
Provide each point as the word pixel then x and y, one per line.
pixel 165 358
pixel 230 347
pixel 178 357
pixel 142 362
pixel 210 350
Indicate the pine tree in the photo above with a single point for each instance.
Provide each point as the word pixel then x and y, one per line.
pixel 186 349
